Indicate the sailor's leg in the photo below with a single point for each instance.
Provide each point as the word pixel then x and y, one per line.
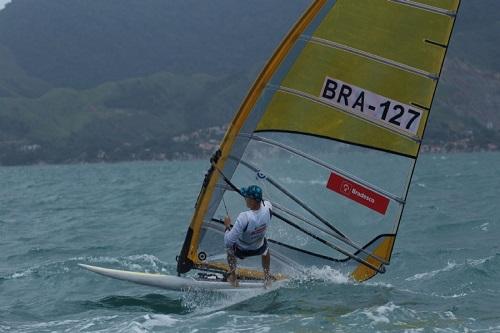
pixel 266 266
pixel 231 260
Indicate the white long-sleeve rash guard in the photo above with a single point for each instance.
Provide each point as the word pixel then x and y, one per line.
pixel 250 228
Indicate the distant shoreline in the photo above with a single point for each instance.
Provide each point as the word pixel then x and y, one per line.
pixel 102 158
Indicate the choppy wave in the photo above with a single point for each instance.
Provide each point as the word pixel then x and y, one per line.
pixel 466 267
pixel 428 275
pixel 94 324
pixel 141 262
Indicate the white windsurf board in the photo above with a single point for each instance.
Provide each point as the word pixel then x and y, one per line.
pixel 173 282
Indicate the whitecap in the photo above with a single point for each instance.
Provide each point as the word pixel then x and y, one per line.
pixel 449 296
pixel 150 321
pixel 68 325
pixel 381 313
pixel 150 263
pixel 484 226
pixel 476 262
pixel 22 274
pixel 379 284
pixel 431 274
pixel 259 323
pixel 130 262
pixel 448 315
pixel 327 274
pixel 376 318
pixel 212 302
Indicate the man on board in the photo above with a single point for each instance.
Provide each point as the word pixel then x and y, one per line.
pixel 247 237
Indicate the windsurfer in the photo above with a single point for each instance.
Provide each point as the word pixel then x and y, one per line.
pixel 247 237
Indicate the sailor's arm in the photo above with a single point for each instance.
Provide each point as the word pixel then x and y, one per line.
pixel 231 235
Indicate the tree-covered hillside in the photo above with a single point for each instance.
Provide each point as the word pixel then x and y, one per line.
pixel 130 119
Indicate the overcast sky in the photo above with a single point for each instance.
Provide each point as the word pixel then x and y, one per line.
pixel 3 2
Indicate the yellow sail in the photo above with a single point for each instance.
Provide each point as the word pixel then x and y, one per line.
pixel 349 88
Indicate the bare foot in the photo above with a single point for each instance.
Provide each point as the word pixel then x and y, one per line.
pixel 233 280
pixel 267 278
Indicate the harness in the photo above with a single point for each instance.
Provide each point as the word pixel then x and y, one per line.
pixel 242 254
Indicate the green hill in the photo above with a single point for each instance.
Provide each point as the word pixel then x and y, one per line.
pixel 121 119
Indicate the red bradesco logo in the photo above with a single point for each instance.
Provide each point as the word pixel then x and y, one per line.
pixel 358 193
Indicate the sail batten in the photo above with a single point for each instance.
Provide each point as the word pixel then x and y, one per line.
pixel 325 165
pixel 424 6
pixel 339 140
pixel 331 130
pixel 371 56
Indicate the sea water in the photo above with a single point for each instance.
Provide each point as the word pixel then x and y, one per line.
pixel 444 274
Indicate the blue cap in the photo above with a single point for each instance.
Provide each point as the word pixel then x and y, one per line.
pixel 252 191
